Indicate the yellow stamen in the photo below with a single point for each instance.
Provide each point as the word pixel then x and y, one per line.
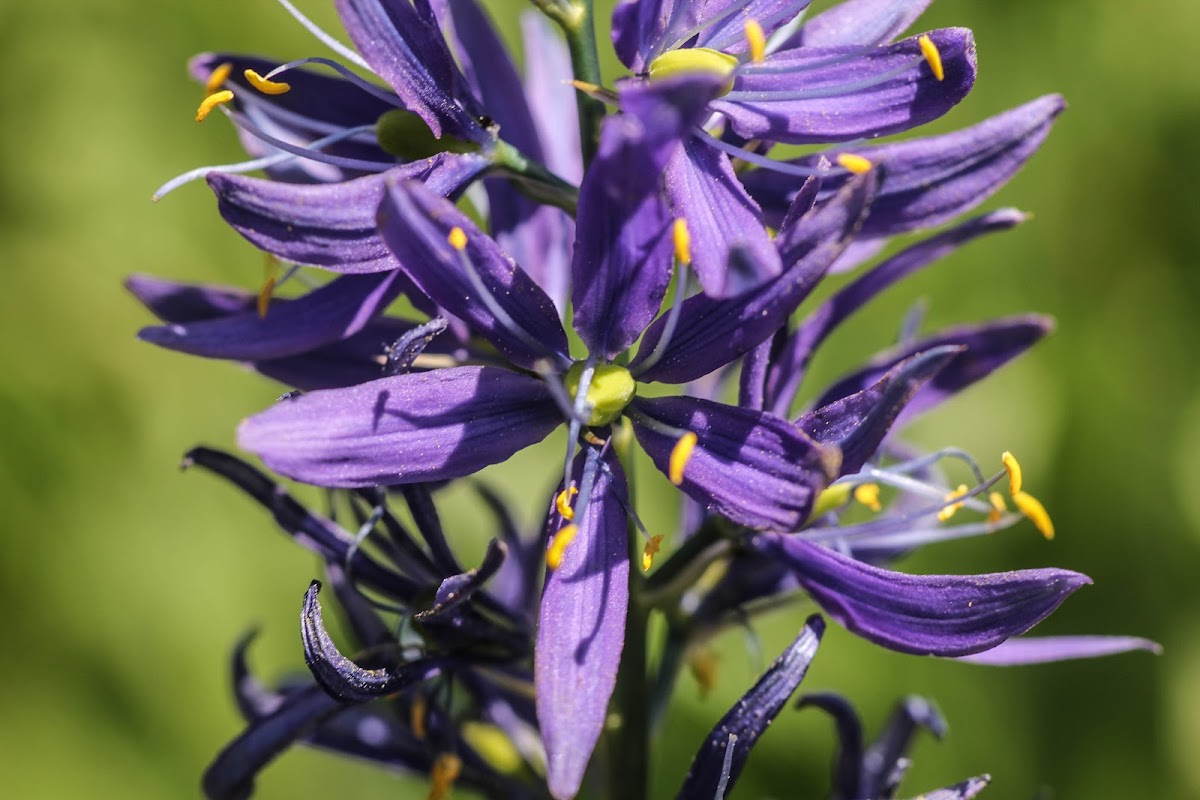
pixel 592 438
pixel 952 509
pixel 932 57
pixel 442 775
pixel 683 242
pixel 554 554
pixel 266 86
pixel 212 101
pixel 999 507
pixel 833 497
pixel 1013 468
pixel 217 78
pixel 868 495
pixel 652 547
pixel 457 238
pixel 756 39
pixel 681 453
pixel 563 503
pixel 854 164
pixel 703 666
pixel 418 715
pixel 270 277
pixel 1032 508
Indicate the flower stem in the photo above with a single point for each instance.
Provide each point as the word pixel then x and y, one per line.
pixel 577 20
pixel 534 180
pixel 629 761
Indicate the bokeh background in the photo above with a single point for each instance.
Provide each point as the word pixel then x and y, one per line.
pixel 124 582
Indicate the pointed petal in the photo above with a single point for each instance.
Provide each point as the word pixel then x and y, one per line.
pixel 933 179
pixel 330 225
pixel 414 428
pixel 457 589
pixel 173 301
pixel 987 348
pixel 341 677
pixel 858 423
pixel 729 34
pixel 859 22
pixel 859 97
pixel 1049 649
pixel 945 615
pixel 333 312
pixel 622 258
pixel 758 470
pixel 720 759
pixel 731 250
pixel 514 314
pixel 713 332
pixel 581 629
pixel 410 54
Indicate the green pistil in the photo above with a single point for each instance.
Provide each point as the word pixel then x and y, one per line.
pixel 611 389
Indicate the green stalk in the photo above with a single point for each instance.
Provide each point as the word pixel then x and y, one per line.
pixel 577 20
pixel 533 180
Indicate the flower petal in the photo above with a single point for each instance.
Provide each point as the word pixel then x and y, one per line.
pixel 479 284
pixel 720 759
pixel 1049 649
pixel 859 22
pixel 457 589
pixel 713 332
pixel 885 761
pixel 859 96
pixel 756 469
pixel 944 615
pixel 330 225
pixel 581 628
pixel 414 428
pixel 848 758
pixel 552 100
pixel 960 791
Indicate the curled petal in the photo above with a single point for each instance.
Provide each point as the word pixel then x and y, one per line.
pixel 1049 649
pixel 945 615
pixel 848 761
pixel 457 589
pixel 960 791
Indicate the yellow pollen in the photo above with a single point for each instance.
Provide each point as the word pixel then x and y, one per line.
pixel 652 547
pixel 932 57
pixel 592 438
pixel 999 507
pixel 756 39
pixel 212 101
pixel 1032 508
pixel 854 164
pixel 867 494
pixel 703 666
pixel 442 775
pixel 266 86
pixel 270 276
pixel 1013 468
pixel 683 241
pixel 563 503
pixel 457 238
pixel 681 454
pixel 217 78
pixel 952 509
pixel 418 713
pixel 554 554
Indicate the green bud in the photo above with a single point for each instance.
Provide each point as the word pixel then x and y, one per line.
pixel 406 136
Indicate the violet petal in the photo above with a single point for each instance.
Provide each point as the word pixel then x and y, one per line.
pixel 1049 649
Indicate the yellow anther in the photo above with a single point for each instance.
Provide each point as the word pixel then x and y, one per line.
pixel 703 666
pixel 442 775
pixel 217 78
pixel 653 545
pixel 830 498
pixel 270 277
pixel 952 509
pixel 418 716
pixel 494 745
pixel 592 438
pixel 681 454
pixel 1014 472
pixel 868 495
pixel 554 553
pixel 855 164
pixel 756 39
pixel 457 238
pixel 212 101
pixel 683 241
pixel 265 86
pixel 932 57
pixel 999 507
pixel 1032 508
pixel 563 503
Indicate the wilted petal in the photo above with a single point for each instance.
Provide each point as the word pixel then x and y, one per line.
pixel 457 589
pixel 756 469
pixel 479 284
pixel 858 97
pixel 884 762
pixel 848 760
pixel 713 332
pixel 858 22
pixel 945 615
pixel 959 791
pixel 331 225
pixel 1048 649
pixel 414 428
pixel 720 759
pixel 581 628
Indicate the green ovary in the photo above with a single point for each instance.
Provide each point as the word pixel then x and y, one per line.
pixel 694 61
pixel 611 389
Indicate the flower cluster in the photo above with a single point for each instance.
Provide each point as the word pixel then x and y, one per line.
pixel 624 264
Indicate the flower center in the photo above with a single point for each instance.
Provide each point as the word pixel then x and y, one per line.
pixel 611 389
pixel 694 61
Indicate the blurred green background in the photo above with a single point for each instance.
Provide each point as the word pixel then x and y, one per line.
pixel 125 583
